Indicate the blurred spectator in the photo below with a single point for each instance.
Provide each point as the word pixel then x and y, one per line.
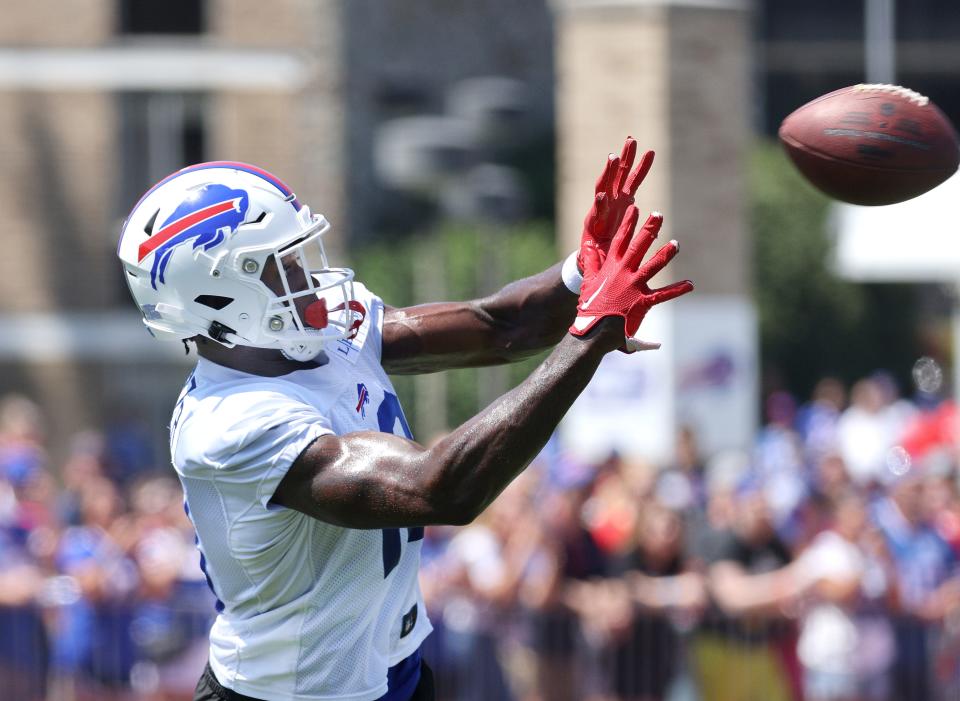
pixel 611 511
pixel 900 409
pixel 665 599
pixel 26 534
pixel 933 433
pixel 870 427
pixel 21 432
pixel 831 478
pixel 817 420
pixel 567 556
pixel 829 482
pixel 778 464
pixel 942 498
pixel 92 644
pixel 846 642
pixel 173 607
pixel 435 587
pixel 482 568
pixel 752 584
pixel 682 485
pixel 84 463
pixel 23 643
pixel 777 447
pixel 127 447
pixel 927 578
pixel 23 461
pixel 707 530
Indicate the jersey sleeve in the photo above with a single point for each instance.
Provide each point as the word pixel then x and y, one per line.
pixel 374 322
pixel 247 440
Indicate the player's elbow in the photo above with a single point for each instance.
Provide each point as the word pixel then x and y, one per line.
pixel 448 510
pixel 416 492
pixel 454 485
pixel 451 505
pixel 462 516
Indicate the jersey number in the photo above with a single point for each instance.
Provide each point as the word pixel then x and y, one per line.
pixel 388 413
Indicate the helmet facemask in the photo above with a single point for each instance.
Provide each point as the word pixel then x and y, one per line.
pixel 309 303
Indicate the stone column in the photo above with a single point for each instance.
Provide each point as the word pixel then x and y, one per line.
pixel 673 74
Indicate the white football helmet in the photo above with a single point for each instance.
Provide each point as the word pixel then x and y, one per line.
pixel 194 250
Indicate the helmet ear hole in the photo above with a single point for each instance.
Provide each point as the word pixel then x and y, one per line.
pixel 213 301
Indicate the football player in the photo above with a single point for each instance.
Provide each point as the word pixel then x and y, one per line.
pixel 300 474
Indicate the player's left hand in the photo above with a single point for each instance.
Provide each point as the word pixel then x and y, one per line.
pixel 615 191
pixel 621 286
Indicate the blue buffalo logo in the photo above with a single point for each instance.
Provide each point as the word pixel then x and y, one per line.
pixel 363 398
pixel 205 219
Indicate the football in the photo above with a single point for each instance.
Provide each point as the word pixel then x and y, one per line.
pixel 872 144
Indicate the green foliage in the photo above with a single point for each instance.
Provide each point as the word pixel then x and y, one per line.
pixel 813 323
pixel 464 262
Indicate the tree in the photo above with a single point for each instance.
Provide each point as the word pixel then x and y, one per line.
pixel 812 323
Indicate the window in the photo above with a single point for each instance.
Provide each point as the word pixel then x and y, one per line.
pixel 928 20
pixel 167 17
pixel 159 133
pixel 819 20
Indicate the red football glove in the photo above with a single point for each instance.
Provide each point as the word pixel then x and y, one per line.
pixel 620 286
pixel 614 192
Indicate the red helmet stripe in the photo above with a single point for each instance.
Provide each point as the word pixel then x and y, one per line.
pixel 171 230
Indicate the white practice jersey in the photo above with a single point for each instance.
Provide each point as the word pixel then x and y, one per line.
pixel 307 610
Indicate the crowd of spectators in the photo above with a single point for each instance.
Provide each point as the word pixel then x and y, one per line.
pixel 821 565
pixel 101 594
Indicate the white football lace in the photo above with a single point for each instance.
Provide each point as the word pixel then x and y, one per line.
pixel 897 90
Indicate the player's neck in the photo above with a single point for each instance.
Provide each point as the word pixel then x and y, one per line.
pixel 267 362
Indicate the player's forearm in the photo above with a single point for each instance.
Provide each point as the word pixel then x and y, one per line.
pixel 518 321
pixel 474 463
pixel 372 479
pixel 532 314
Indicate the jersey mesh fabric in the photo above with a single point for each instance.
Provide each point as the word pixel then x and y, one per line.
pixel 309 612
pixel 348 580
pixel 204 503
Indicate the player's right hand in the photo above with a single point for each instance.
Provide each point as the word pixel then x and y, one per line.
pixel 620 287
pixel 615 191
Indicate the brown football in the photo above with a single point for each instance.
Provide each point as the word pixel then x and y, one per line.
pixel 872 144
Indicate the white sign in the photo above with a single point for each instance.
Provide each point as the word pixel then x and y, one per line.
pixel 704 376
pixel 913 241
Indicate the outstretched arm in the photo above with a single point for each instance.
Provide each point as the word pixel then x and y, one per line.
pixel 522 319
pixel 377 480
pixel 526 316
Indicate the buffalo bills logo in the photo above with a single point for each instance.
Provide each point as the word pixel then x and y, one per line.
pixel 363 398
pixel 205 218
